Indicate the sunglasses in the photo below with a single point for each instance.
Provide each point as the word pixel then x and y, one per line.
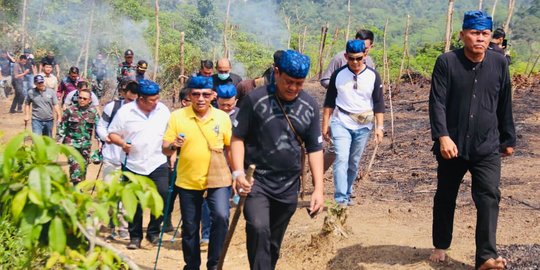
pixel 355 59
pixel 198 94
pixel 83 98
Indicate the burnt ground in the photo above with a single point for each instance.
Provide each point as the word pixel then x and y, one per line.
pixel 390 228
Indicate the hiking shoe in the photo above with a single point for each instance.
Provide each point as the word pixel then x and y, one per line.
pixel 123 235
pixel 154 239
pixel 343 205
pixel 134 243
pixel 351 202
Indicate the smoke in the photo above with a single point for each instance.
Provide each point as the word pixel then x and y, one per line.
pixel 261 19
pixel 63 27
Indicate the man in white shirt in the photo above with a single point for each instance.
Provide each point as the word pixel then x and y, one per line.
pixel 138 128
pixel 110 151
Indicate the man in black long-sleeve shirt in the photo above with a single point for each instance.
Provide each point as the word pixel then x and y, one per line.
pixel 470 111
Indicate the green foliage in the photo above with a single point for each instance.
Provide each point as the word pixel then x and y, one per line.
pixel 13 254
pixel 50 213
pixel 255 58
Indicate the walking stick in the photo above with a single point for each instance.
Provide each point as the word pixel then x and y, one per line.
pixel 234 221
pixel 98 172
pixel 366 175
pixel 176 231
pixel 169 199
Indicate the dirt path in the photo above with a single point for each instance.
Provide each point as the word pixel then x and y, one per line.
pixel 391 225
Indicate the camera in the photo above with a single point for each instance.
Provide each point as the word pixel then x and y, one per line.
pixel 504 43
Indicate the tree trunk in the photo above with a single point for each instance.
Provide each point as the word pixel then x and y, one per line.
pixel 324 31
pixel 304 35
pixel 493 10
pixel 182 60
pixel 225 28
pixel 348 20
pixel 480 4
pixel 23 25
pixel 448 36
pixel 88 38
pixel 405 52
pixel 288 24
pixel 386 82
pixel 334 39
pixel 511 5
pixel 156 51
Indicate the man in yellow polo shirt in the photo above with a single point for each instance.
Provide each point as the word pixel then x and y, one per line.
pixel 201 125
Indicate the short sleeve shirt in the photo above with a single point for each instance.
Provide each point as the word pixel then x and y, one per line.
pixel 270 143
pixel 42 103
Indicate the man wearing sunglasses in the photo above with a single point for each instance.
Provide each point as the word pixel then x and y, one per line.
pixel 138 128
pixel 76 128
pixel 354 106
pixel 43 104
pixel 202 126
pixel 73 96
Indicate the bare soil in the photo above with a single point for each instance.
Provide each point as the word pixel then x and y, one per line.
pixel 390 227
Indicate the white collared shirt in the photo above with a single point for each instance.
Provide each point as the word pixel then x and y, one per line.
pixel 145 133
pixel 111 152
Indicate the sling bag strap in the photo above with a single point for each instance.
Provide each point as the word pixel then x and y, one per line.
pixel 204 135
pixel 302 147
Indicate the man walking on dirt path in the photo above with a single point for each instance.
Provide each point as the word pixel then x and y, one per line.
pixel 19 74
pixel 138 128
pixel 76 129
pixel 126 68
pixel 50 60
pixel 275 124
pixel 51 81
pixel 6 62
pixel 111 152
pixel 353 107
pixel 470 111
pixel 43 105
pixel 203 127
pixel 68 84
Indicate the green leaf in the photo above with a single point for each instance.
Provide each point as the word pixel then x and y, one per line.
pixel 43 218
pixel 69 151
pixel 39 147
pixel 57 235
pixel 39 180
pixel 157 209
pixel 18 203
pixel 130 203
pixel 34 197
pixel 10 151
pixel 102 212
pixel 16 187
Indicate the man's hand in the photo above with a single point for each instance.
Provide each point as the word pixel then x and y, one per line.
pixel 317 202
pixel 448 147
pixel 508 151
pixel 126 147
pixel 379 134
pixel 107 139
pixel 243 186
pixel 326 133
pixel 178 142
pixel 26 118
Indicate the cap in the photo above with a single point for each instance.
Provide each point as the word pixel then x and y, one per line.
pixel 128 52
pixel 142 65
pixel 355 46
pixel 39 79
pixel 200 82
pixel 477 20
pixel 148 88
pixel 74 70
pixel 294 64
pixel 226 91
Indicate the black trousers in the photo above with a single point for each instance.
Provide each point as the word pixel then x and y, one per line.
pixel 486 175
pixel 266 223
pixel 160 176
pixel 18 100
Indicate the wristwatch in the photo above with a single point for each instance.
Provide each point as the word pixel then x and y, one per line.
pixel 235 174
pixel 172 147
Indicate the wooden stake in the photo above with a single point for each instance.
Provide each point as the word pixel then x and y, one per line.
pixel 511 5
pixel 405 50
pixel 88 37
pixel 334 39
pixel 23 25
pixel 156 51
pixel 493 10
pixel 288 24
pixel 225 28
pixel 480 3
pixel 534 65
pixel 448 35
pixel 388 86
pixel 348 20
pixel 324 31
pixel 304 35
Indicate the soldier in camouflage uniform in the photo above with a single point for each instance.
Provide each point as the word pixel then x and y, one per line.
pixel 76 128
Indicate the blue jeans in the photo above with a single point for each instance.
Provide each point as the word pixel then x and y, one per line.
pixel 42 127
pixel 205 220
pixel 191 210
pixel 349 145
